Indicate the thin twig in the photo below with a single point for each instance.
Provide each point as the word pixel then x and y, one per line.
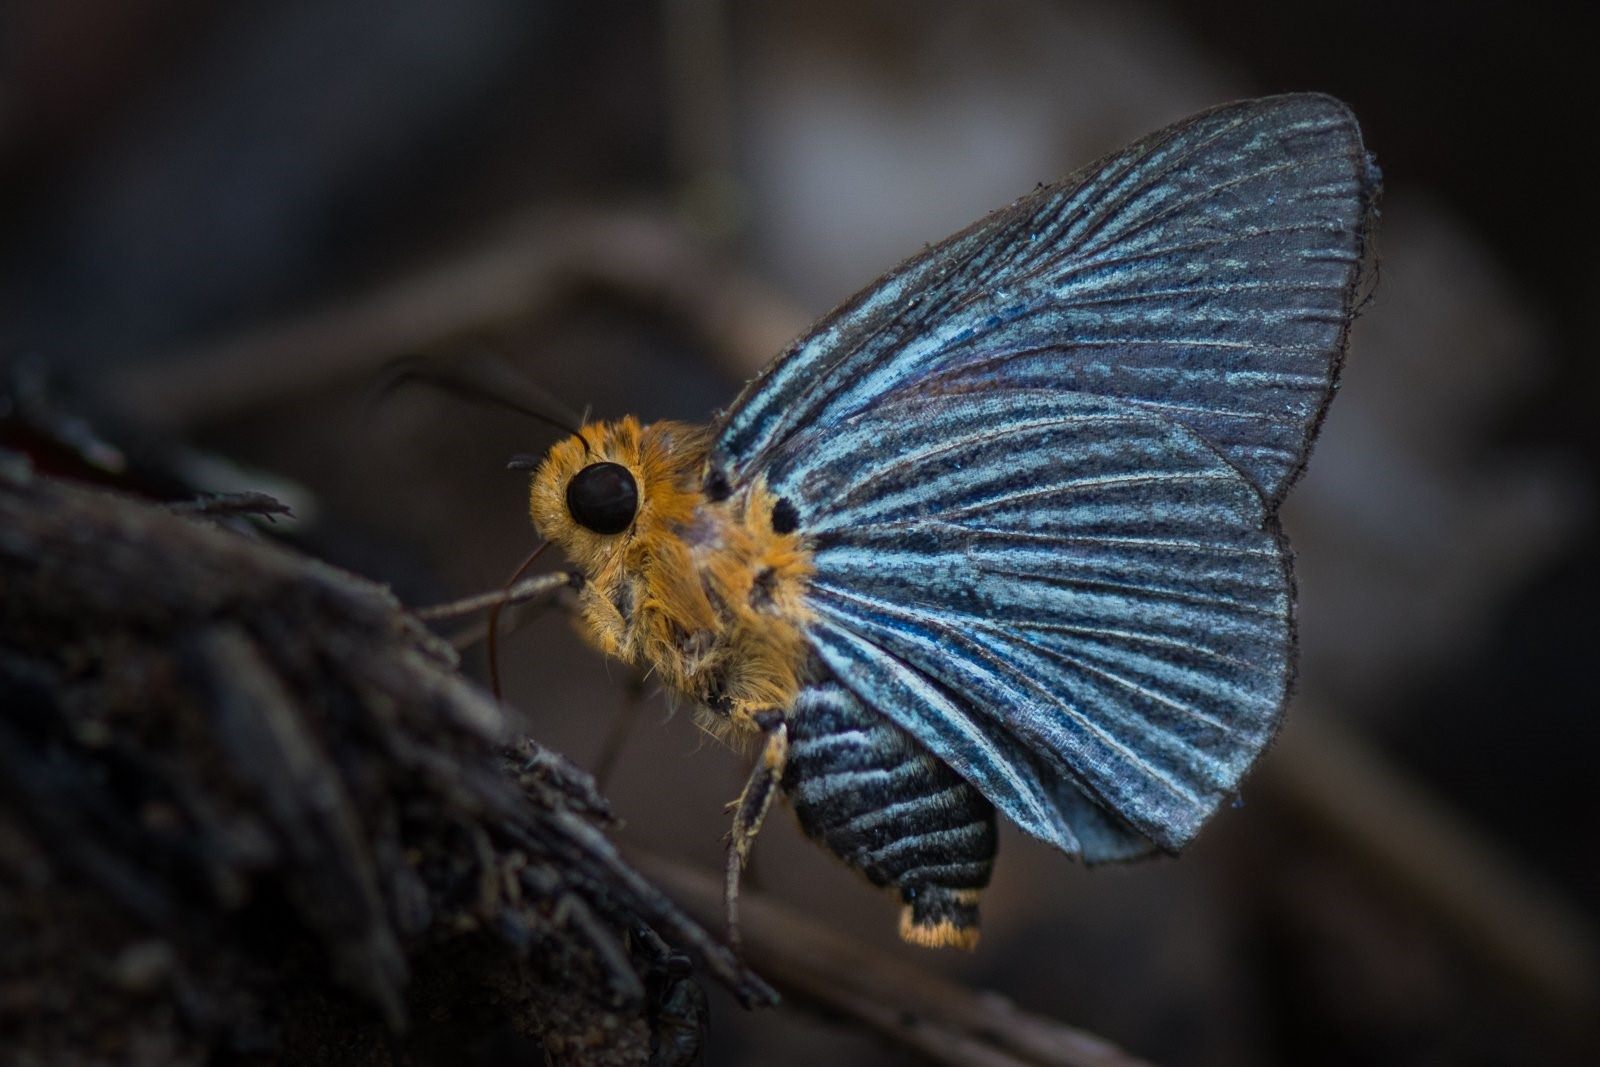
pixel 909 1006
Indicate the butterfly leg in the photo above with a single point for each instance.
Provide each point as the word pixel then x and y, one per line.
pixel 751 807
pixel 621 728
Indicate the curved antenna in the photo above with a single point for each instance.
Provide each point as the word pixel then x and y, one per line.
pixel 494 620
pixel 491 383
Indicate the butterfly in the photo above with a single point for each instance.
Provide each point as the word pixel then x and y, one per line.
pixel 1000 532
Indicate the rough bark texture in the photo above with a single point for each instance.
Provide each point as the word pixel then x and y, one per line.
pixel 250 810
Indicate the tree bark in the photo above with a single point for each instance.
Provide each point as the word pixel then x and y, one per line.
pixel 249 808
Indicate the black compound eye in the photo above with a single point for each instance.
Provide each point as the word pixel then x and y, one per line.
pixel 603 497
pixel 716 486
pixel 785 519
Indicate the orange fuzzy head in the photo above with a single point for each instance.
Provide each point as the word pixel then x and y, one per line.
pixel 635 564
pixel 664 462
pixel 706 593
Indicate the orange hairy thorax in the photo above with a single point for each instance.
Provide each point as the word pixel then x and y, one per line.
pixel 704 593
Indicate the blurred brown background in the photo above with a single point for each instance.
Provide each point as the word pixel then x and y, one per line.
pixel 220 221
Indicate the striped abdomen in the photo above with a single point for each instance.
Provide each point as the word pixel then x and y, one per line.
pixel 880 802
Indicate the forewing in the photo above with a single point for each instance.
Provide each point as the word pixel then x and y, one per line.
pixel 1207 273
pixel 1074 601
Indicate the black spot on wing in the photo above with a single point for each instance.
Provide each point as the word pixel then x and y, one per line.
pixel 785 519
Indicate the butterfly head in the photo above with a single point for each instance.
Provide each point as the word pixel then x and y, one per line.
pixel 598 492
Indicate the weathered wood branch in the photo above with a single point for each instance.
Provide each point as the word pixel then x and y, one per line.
pixel 908 1006
pixel 249 807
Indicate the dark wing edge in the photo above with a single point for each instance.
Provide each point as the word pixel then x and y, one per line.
pixel 1208 271
pixel 1076 603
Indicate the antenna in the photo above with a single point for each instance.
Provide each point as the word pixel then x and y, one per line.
pixel 489 382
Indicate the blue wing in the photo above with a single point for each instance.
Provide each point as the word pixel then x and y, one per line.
pixel 1064 597
pixel 1039 463
pixel 1206 272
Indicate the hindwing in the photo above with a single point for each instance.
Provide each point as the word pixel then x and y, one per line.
pixel 1055 593
pixel 1038 467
